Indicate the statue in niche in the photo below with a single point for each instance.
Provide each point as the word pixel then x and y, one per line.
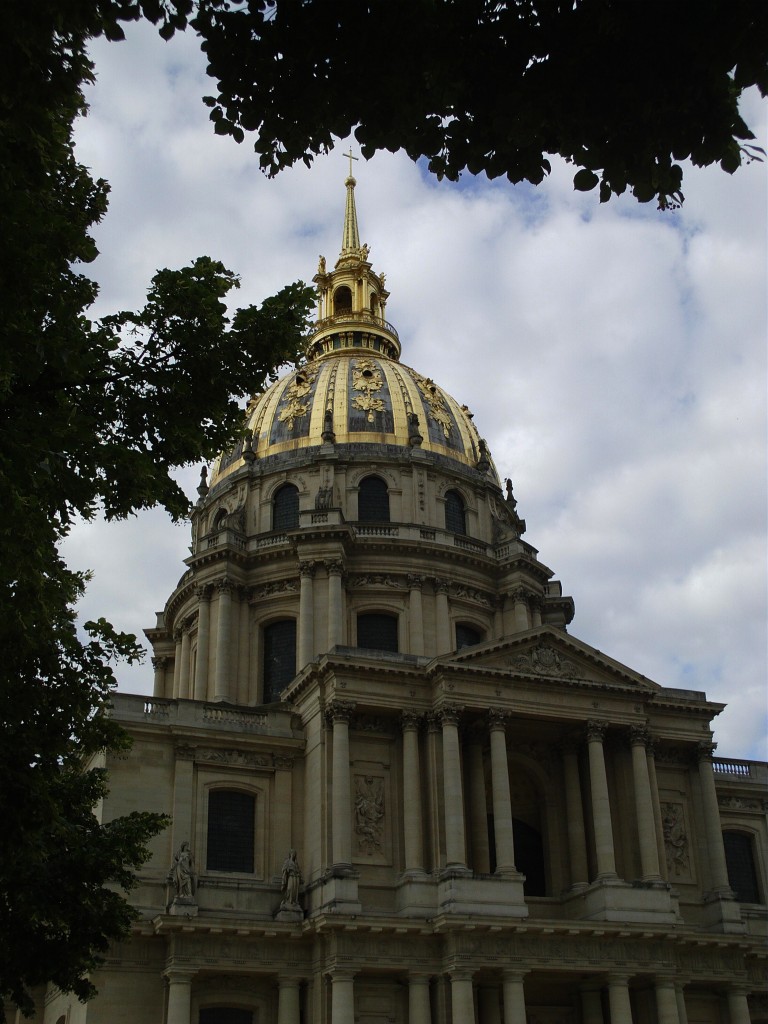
pixel 290 882
pixel 324 497
pixel 182 875
pixel 675 839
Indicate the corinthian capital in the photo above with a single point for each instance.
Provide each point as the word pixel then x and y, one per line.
pixel 449 714
pixel 339 711
pixel 596 731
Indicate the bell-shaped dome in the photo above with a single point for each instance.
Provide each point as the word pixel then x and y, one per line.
pixel 353 390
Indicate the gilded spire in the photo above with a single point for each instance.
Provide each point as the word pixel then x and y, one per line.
pixel 350 243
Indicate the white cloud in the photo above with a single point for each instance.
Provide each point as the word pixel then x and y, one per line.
pixel 614 358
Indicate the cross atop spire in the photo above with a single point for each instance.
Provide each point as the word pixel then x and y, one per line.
pixel 351 158
pixel 350 243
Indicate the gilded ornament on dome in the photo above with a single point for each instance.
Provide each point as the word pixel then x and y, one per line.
pixel 436 403
pixel 295 407
pixel 367 378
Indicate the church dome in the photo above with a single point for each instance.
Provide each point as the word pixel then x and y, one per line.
pixel 357 396
pixel 353 390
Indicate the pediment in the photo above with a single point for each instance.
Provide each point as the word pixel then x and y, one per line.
pixel 547 653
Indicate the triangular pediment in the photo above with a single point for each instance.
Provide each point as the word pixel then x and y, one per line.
pixel 546 653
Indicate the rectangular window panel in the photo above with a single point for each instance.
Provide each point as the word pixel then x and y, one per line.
pixel 740 860
pixel 377 632
pixel 231 818
pixel 279 658
pixel 225 1015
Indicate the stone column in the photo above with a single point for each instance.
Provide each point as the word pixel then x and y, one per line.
pixel 343 997
pixel 618 999
pixel 514 997
pixel 455 846
pixel 646 825
pixel 712 827
pixel 221 674
pixel 682 1011
pixel 591 1004
pixel 176 661
pixel 288 1005
pixel 158 664
pixel 521 618
pixel 476 802
pixel 419 1011
pixel 244 650
pixel 577 846
pixel 508 614
pixel 203 642
pixel 661 853
pixel 335 571
pixel 534 604
pixel 306 615
pixel 442 618
pixel 185 663
pixel 434 749
pixel 601 808
pixel 462 999
pixel 498 616
pixel 666 1001
pixel 412 816
pixel 339 713
pixel 179 996
pixel 738 1007
pixel 502 802
pixel 415 614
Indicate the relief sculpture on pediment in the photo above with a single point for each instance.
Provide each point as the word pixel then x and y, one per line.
pixel 546 661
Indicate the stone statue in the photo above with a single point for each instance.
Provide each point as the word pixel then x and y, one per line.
pixel 365 251
pixel 324 497
pixel 291 880
pixel 182 873
pixel 321 265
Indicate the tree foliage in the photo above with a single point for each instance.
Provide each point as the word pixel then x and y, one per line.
pixel 94 414
pixel 624 91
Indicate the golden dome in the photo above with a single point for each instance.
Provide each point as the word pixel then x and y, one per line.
pixel 353 391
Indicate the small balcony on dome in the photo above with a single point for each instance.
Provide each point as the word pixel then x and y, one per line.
pixel 348 328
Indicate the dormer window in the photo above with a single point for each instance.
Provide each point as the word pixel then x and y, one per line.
pixel 342 300
pixel 373 500
pixel 455 517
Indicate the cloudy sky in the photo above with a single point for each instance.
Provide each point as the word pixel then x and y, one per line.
pixel 614 358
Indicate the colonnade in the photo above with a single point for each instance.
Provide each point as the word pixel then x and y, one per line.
pixel 474 999
pixel 454 837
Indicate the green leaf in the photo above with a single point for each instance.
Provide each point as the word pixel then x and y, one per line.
pixel 585 180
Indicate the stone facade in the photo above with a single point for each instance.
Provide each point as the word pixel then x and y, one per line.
pixel 367 664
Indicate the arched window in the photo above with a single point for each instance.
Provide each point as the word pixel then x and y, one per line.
pixel 231 818
pixel 373 500
pixel 377 631
pixel 374 304
pixel 742 870
pixel 218 520
pixel 455 517
pixel 279 663
pixel 467 636
pixel 342 300
pixel 225 1015
pixel 285 508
